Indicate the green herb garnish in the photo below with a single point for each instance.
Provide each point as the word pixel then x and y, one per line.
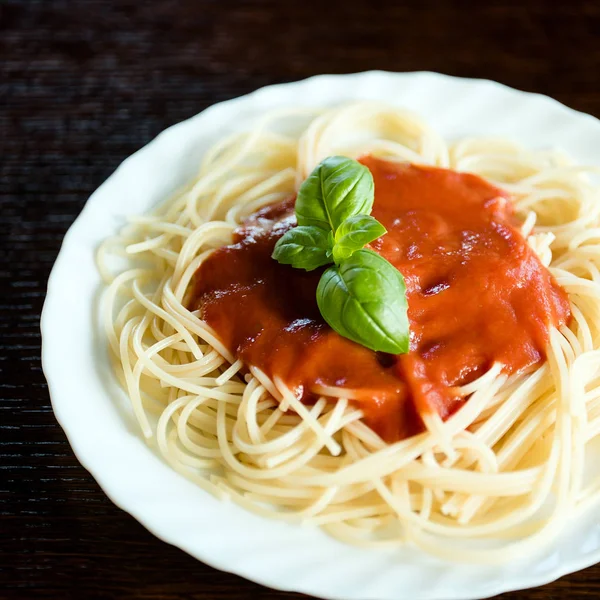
pixel 362 296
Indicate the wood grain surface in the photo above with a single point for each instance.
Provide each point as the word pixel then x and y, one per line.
pixel 85 83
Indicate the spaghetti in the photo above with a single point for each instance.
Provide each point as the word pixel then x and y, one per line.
pixel 507 465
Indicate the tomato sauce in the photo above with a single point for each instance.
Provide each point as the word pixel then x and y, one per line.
pixel 477 294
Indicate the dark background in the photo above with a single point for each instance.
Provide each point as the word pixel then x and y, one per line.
pixel 83 84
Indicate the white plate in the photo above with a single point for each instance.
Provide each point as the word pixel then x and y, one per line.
pixel 94 412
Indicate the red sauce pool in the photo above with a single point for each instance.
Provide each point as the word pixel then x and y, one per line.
pixel 477 294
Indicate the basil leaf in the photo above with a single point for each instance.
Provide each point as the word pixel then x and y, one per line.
pixel 354 233
pixel 338 188
pixel 304 248
pixel 364 300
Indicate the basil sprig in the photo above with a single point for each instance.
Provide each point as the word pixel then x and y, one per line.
pixel 361 296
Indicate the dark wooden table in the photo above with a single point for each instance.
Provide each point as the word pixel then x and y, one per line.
pixel 83 85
